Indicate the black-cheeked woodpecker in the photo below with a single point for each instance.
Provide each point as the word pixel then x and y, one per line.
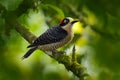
pixel 54 38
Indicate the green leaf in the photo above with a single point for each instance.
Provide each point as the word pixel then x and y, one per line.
pixel 58 10
pixel 10 5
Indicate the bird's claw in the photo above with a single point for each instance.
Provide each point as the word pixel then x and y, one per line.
pixel 57 53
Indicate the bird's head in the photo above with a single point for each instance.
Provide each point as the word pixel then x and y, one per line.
pixel 67 23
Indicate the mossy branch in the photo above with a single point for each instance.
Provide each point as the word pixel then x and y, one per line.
pixel 69 62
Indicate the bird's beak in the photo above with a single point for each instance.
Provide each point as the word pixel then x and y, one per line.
pixel 74 21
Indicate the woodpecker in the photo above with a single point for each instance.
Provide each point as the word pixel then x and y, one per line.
pixel 54 37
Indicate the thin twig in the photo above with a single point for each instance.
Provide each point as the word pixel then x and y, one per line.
pixel 73 54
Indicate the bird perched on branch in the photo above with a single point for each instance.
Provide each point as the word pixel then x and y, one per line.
pixel 54 37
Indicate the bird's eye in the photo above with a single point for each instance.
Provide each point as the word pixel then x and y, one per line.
pixel 64 22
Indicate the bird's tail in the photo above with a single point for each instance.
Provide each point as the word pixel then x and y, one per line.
pixel 29 52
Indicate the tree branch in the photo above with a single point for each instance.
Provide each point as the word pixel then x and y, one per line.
pixel 67 61
pixel 25 33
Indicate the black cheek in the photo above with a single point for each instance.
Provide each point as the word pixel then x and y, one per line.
pixel 66 21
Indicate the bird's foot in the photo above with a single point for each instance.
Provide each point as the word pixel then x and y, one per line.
pixel 60 52
pixel 57 53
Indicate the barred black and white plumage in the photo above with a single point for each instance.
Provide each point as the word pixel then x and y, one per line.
pixel 53 38
pixel 52 35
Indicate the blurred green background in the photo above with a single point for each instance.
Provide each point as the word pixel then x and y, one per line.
pixel 97 38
